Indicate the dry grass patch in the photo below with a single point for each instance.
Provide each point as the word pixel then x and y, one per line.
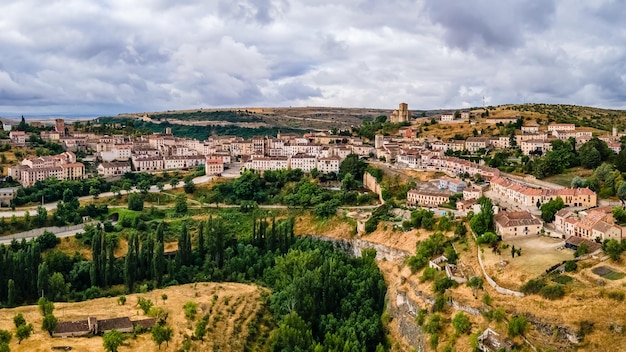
pixel 233 308
pixel 538 254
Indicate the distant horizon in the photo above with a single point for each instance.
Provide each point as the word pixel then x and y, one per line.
pixel 91 116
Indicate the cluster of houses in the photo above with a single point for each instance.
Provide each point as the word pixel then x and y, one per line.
pixel 517 193
pixel 589 224
pixel 62 166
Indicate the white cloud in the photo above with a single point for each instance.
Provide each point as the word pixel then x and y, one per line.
pixel 89 57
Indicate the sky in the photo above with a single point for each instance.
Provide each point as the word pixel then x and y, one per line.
pixel 102 57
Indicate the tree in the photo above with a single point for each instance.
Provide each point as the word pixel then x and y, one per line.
pixel 111 340
pixel 549 209
pixel 143 186
pixel 190 308
pixel 590 158
pixel 11 293
pixel 461 323
pixel 19 320
pixel 189 187
pixel 5 336
pixel 354 165
pixel 174 182
pixel 613 249
pixel 293 334
pixel 620 160
pixel 348 183
pixel 41 217
pixel 181 204
pixel 49 323
pixel 57 286
pixel 160 333
pixel 517 326
pixel 621 193
pixel 45 307
pixel 23 332
pixel 43 277
pixel 135 202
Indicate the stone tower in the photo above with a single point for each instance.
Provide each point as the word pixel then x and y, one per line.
pixel 401 115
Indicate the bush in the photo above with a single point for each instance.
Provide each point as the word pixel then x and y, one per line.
pixel 135 202
pixel 553 292
pixel 191 308
pixel 434 324
pixel 429 274
pixel 144 304
pixel 444 283
pixel 421 316
pixel 517 326
pixel 461 323
pixel 533 286
pixel 562 279
pixel 439 304
pixel 475 282
pixel 616 295
pixel 488 238
pixel 570 266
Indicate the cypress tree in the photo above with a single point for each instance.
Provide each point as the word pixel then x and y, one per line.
pixel 43 275
pixel 110 269
pixel 201 247
pixel 94 273
pixel 11 293
pixel 158 263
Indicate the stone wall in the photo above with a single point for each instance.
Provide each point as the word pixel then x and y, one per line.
pixel 370 183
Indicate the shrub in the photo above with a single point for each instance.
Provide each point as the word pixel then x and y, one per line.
pixel 562 279
pixel 444 283
pixel 570 266
pixel 121 300
pixel 191 308
pixel 488 238
pixel 439 304
pixel 517 326
pixel 616 295
pixel 429 274
pixel 434 324
pixel 19 320
pixel 533 286
pixel 461 323
pixel 585 327
pixel 144 304
pixel 421 316
pixel 552 292
pixel 499 314
pixel 475 282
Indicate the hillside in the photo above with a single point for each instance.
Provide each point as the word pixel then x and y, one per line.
pixel 231 307
pixel 586 116
pixel 306 118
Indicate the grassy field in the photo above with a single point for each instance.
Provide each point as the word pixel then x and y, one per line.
pixel 231 307
pixel 565 179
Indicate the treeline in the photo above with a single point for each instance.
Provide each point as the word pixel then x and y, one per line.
pixel 198 132
pixel 51 189
pixel 230 116
pixel 321 297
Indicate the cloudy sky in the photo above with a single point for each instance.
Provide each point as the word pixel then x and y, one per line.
pixel 112 56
